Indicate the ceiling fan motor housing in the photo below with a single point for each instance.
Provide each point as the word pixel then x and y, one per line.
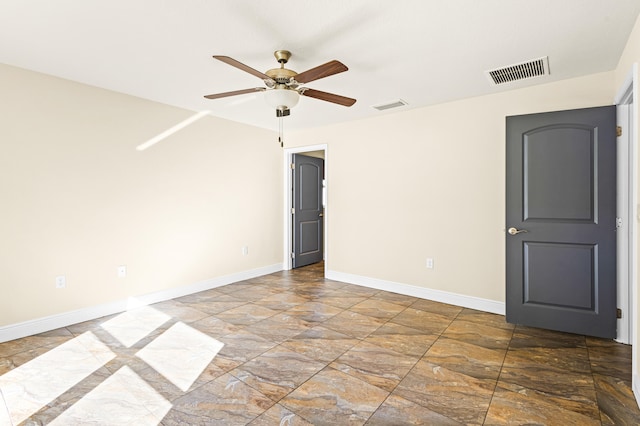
pixel 281 75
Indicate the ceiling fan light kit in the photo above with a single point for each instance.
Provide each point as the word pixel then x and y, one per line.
pixel 283 89
pixel 281 99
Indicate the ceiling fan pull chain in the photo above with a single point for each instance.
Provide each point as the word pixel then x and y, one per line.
pixel 280 132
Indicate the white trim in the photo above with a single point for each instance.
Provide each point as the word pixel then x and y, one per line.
pixel 623 185
pixel 40 325
pixel 288 201
pixel 471 302
pixel 628 94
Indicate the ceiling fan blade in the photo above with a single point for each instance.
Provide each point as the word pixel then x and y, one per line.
pixel 329 97
pixel 241 66
pixel 235 92
pixel 322 71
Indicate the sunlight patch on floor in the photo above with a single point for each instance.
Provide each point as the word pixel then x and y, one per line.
pixel 132 326
pixel 122 399
pixel 28 388
pixel 181 354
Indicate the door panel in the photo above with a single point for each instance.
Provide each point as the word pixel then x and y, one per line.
pixel 561 186
pixel 308 230
pixel 554 191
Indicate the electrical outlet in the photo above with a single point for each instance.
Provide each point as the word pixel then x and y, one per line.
pixel 122 271
pixel 61 281
pixel 429 263
pixel 245 251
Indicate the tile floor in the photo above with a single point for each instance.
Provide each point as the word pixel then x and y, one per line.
pixel 293 348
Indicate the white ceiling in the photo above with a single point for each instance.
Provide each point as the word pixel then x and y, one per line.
pixel 422 51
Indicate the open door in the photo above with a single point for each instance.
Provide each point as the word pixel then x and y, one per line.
pixel 561 221
pixel 308 211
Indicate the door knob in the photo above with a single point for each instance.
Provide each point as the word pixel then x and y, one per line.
pixel 514 231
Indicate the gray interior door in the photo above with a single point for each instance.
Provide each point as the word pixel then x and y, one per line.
pixel 561 221
pixel 308 212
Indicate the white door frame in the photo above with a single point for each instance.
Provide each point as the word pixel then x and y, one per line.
pixel 287 263
pixel 627 102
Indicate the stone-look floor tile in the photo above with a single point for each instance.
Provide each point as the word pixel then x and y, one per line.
pixel 479 334
pixel 521 406
pixel 130 399
pixel 566 378
pixel 277 372
pixel 343 302
pixel 402 339
pixel 559 374
pixel 356 290
pixel 613 359
pixel 215 327
pixel 399 411
pixel 241 347
pixel 169 390
pixel 54 337
pixel 448 311
pixel 281 301
pixel 279 328
pixel 9 363
pixel 353 324
pixel 377 309
pixel 314 311
pixel 180 311
pixel 457 396
pixel 238 286
pixel 616 401
pixel 398 299
pixel 225 400
pixel 375 365
pixel 278 415
pixel 31 386
pixel 91 325
pixel 246 314
pixel 558 359
pixel 466 358
pixel 320 343
pixel 485 318
pixel 530 337
pixel 200 297
pixel 217 305
pixel 254 292
pixel 424 321
pixel 56 407
pixel 335 398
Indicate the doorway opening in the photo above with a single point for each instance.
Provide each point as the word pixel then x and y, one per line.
pixel 627 111
pixel 317 151
pixel 626 207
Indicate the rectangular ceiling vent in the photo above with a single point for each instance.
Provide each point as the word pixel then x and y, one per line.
pixel 389 105
pixel 521 71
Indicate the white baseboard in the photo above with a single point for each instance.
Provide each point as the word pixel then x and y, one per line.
pixel 636 388
pixel 40 325
pixel 421 292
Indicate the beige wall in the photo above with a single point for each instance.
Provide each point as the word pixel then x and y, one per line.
pixel 429 182
pixel 77 199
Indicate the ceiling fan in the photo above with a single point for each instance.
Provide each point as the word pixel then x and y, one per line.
pixel 284 85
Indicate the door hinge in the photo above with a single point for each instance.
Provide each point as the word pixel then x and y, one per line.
pixel 618 313
pixel 293 255
pixel 618 222
pixel 618 131
pixel 293 210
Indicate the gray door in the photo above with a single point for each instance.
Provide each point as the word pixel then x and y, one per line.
pixel 308 174
pixel 561 221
